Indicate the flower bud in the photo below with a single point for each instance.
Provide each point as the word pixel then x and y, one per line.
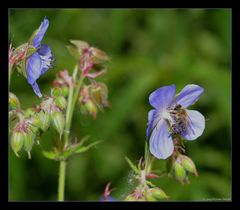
pixel 29 112
pixel 130 198
pixel 158 193
pixel 65 91
pixel 150 197
pixel 91 108
pixel 58 122
pixel 98 55
pixel 99 93
pixel 45 119
pixel 179 171
pixel 61 102
pixel 28 143
pixel 56 91
pixel 13 101
pixel 17 142
pixel 189 165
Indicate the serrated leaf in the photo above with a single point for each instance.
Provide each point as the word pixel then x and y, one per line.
pixel 133 167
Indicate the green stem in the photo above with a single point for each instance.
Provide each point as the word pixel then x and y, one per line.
pixel 61 181
pixel 72 98
pixel 9 75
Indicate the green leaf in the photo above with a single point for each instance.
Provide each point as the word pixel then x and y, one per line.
pixel 79 148
pixel 86 148
pixel 133 167
pixel 50 155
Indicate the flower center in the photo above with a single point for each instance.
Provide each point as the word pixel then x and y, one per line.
pixel 178 119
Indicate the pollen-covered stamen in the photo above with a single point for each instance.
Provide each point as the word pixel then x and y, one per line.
pixel 179 120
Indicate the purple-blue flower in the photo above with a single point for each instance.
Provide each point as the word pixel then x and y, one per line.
pixel 171 116
pixel 40 61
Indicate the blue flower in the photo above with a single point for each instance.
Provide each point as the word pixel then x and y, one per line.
pixel 40 61
pixel 171 116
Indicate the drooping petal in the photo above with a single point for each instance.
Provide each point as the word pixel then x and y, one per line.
pixel 33 68
pixel 41 32
pixel 189 95
pixel 152 121
pixel 161 144
pixel 162 97
pixel 196 125
pixel 36 89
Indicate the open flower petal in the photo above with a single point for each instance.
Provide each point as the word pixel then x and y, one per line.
pixel 196 125
pixel 162 97
pixel 46 58
pixel 41 32
pixel 36 89
pixel 189 95
pixel 161 144
pixel 33 68
pixel 152 121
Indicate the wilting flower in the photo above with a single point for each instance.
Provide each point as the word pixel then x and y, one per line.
pixel 40 61
pixel 171 117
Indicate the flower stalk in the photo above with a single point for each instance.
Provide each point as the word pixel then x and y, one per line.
pixel 72 98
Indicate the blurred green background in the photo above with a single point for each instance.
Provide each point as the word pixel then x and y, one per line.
pixel 149 48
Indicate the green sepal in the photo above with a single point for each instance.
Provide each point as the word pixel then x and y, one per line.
pixel 133 167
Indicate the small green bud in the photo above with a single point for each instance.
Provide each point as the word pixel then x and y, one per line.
pixel 65 91
pixel 28 143
pixel 130 198
pixel 29 112
pixel 55 92
pixel 150 197
pixel 45 120
pixel 17 141
pixel 92 108
pixel 13 101
pixel 179 171
pixel 189 165
pixel 99 93
pixel 61 102
pixel 158 193
pixel 58 122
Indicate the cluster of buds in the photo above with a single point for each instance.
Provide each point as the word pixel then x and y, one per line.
pixel 51 112
pixel 145 190
pixel 90 58
pixel 180 164
pixel 145 193
pixel 35 121
pixel 63 82
pixel 23 136
pixel 93 98
pixel 183 165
